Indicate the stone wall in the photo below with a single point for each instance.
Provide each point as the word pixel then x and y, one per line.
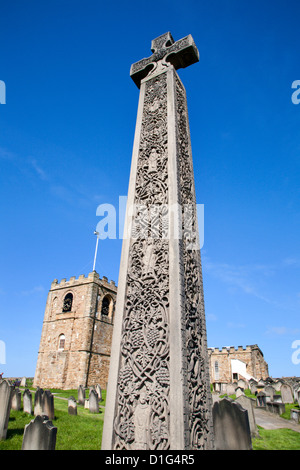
pixel 75 344
pixel 251 356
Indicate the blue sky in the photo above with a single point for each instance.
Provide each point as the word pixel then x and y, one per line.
pixel 66 135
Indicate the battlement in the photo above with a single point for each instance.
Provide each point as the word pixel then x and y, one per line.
pixel 232 349
pixel 82 279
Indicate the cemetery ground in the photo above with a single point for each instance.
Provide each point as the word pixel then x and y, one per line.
pixel 84 431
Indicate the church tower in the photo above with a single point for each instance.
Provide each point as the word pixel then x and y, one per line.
pixel 77 330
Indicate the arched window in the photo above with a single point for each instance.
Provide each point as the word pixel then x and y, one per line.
pixel 105 306
pixel 68 300
pixel 61 342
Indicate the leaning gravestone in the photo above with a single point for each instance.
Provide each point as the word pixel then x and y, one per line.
pixel 27 401
pixel 6 390
pixel 16 400
pixel 38 402
pixel 72 406
pixel 48 404
pixel 231 426
pixel 249 404
pixel 99 392
pixel 81 395
pixel 286 394
pixel 39 434
pixel 93 402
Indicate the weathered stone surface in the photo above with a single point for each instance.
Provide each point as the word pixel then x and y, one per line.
pixel 38 402
pixel 286 393
pixel 48 404
pixel 39 434
pixel 6 390
pixel 16 399
pixel 84 355
pixel 93 402
pixel 231 426
pixel 27 402
pixel 159 360
pixel 249 405
pixel 72 406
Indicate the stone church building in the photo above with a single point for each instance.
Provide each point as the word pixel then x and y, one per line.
pixel 75 345
pixel 229 364
pixel 76 336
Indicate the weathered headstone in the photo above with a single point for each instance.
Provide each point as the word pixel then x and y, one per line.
pixel 99 392
pixel 27 401
pixel 295 415
pixel 231 426
pixel 242 383
pixel 286 393
pixel 253 387
pixel 81 395
pixel 269 391
pixel 23 382
pixel 159 346
pixel 38 402
pixel 275 407
pixel 16 400
pixel 39 434
pixel 249 405
pixel 230 389
pixel 93 402
pixel 72 406
pixel 239 392
pixel 48 404
pixel 6 390
pixel 261 400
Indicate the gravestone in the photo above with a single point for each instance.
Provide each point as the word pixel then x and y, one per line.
pixel 86 403
pixel 72 406
pixel 230 389
pixel 6 390
pixel 239 392
pixel 93 401
pixel 231 426
pixel 286 393
pixel 253 388
pixel 27 401
pixel 242 384
pixel 39 434
pixel 249 405
pixel 81 395
pixel 295 415
pixel 16 400
pixel 261 400
pixel 48 404
pixel 99 392
pixel 38 402
pixel 277 398
pixel 275 407
pixel 269 391
pixel 159 357
pixel 23 382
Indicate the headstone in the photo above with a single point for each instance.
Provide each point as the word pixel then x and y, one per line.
pixel 249 405
pixel 93 402
pixel 295 415
pixel 286 394
pixel 86 403
pixel 230 389
pixel 261 400
pixel 276 408
pixel 277 385
pixel 6 390
pixel 253 388
pixel 48 404
pixel 38 402
pixel 72 406
pixel 269 391
pixel 277 398
pixel 99 392
pixel 231 426
pixel 16 400
pixel 27 401
pixel 39 434
pixel 242 383
pixel 81 395
pixel 159 349
pixel 239 392
pixel 23 382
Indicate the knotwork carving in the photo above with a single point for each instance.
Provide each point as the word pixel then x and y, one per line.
pixel 196 348
pixel 143 390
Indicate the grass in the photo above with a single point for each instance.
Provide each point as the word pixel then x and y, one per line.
pixel 81 432
pixel 276 439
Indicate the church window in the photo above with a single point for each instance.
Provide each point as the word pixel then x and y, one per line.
pixel 216 370
pixel 68 300
pixel 105 306
pixel 61 342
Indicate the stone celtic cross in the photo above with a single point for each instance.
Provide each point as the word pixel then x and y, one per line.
pixel 180 54
pixel 158 395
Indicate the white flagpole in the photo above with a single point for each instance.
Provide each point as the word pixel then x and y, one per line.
pixel 96 233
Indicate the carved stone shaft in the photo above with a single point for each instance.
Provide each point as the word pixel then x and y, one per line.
pixel 158 393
